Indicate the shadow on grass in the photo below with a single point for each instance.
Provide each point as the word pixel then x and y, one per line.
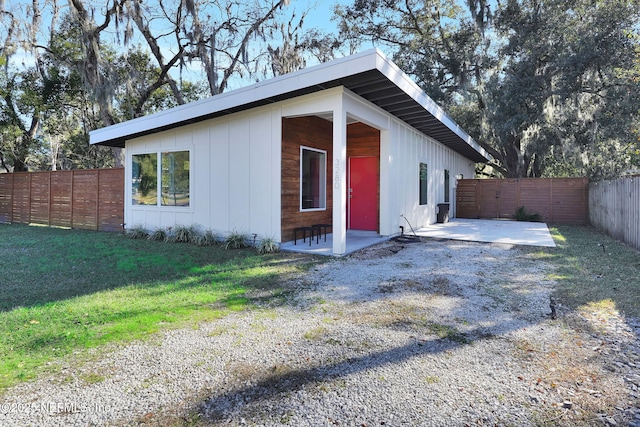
pixel 594 270
pixel 43 265
pixel 63 290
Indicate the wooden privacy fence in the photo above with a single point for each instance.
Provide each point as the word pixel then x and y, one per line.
pixel 614 207
pixel 87 199
pixel 557 200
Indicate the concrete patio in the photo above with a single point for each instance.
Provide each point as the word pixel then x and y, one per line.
pixel 474 230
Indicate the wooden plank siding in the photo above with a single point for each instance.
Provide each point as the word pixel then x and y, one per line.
pixel 614 207
pixel 315 132
pixel 84 199
pixel 312 132
pixel 557 200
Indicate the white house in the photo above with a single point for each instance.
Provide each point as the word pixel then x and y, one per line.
pixel 354 143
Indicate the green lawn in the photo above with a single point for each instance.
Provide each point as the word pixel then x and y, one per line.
pixel 66 290
pixel 63 291
pixel 593 271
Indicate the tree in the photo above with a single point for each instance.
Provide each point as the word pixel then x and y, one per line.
pixel 539 84
pixel 94 63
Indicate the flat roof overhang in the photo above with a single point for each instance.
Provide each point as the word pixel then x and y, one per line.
pixel 368 74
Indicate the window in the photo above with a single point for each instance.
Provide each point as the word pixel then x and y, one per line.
pixel 144 179
pixel 173 185
pixel 175 178
pixel 313 182
pixel 424 183
pixel 446 186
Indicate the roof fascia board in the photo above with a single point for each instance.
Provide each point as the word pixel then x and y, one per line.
pixel 408 86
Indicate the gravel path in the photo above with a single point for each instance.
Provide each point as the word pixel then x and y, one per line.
pixel 432 334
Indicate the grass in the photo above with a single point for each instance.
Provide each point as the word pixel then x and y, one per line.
pixel 593 271
pixel 64 291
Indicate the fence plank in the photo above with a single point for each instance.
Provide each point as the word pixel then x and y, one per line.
pixel 21 198
pixel 40 188
pixel 88 199
pixel 6 197
pixel 61 198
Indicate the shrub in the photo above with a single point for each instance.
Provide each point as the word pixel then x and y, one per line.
pixel 137 232
pixel 209 238
pixel 183 234
pixel 268 246
pixel 236 240
pixel 523 215
pixel 158 235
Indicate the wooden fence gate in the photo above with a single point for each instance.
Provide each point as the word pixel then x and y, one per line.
pixel 87 199
pixel 557 200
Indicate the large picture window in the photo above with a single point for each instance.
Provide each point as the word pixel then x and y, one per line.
pixel 173 169
pixel 313 182
pixel 424 184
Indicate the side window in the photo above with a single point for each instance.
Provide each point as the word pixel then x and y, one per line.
pixel 313 182
pixel 173 185
pixel 424 184
pixel 144 179
pixel 447 189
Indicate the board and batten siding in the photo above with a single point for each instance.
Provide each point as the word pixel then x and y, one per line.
pixel 407 149
pixel 243 178
pixel 234 173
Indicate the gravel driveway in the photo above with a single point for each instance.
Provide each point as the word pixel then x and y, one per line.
pixel 436 333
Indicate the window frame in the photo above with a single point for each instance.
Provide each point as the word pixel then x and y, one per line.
pixel 158 153
pixel 322 180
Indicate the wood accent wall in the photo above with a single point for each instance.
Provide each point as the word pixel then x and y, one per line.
pixel 312 132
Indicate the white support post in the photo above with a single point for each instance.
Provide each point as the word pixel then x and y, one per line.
pixel 386 222
pixel 339 227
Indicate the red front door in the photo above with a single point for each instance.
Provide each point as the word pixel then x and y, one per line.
pixel 362 204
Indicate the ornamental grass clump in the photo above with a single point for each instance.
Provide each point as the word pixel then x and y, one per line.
pixel 268 245
pixel 236 240
pixel 158 235
pixel 137 232
pixel 208 238
pixel 183 234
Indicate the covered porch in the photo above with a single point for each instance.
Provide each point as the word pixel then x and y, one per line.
pixel 355 240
